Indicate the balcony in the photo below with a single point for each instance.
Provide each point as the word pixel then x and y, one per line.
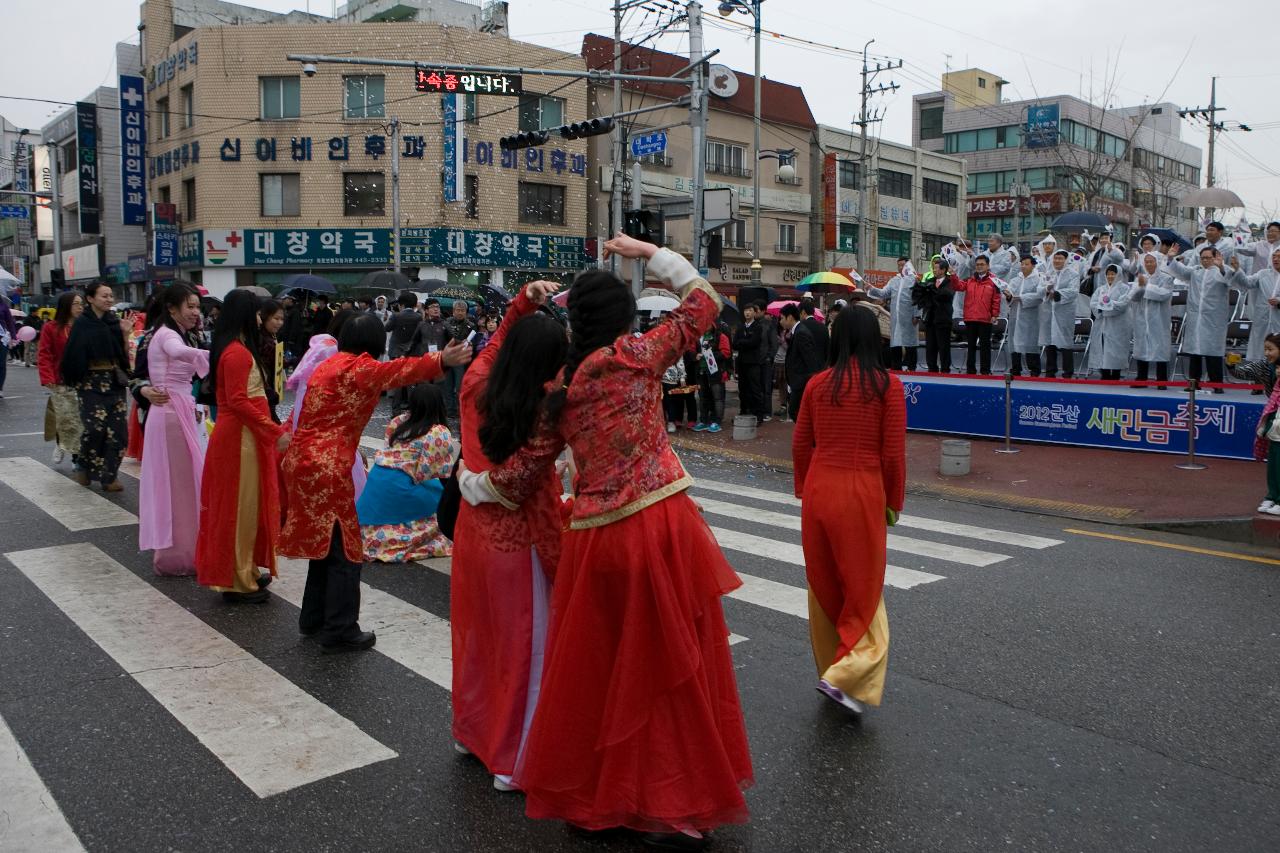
pixel 744 246
pixel 791 182
pixel 656 160
pixel 728 169
pixel 788 249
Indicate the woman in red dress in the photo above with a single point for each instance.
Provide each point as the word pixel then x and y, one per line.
pixel 638 724
pixel 62 413
pixel 503 559
pixel 239 500
pixel 321 523
pixel 849 449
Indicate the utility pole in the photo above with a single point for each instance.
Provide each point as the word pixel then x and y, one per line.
pixel 865 255
pixel 1210 115
pixel 55 184
pixel 698 120
pixel 395 191
pixel 637 201
pixel 618 149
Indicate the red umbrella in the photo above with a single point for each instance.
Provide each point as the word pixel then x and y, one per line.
pixel 775 308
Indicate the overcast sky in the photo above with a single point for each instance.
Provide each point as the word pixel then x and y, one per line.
pixel 63 49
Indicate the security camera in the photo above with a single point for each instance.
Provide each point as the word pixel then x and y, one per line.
pixel 309 69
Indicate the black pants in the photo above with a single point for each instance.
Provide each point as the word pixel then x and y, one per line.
pixel 711 400
pixel 1162 370
pixel 904 358
pixel 978 336
pixel 1195 367
pixel 399 396
pixel 1033 363
pixel 331 600
pixel 679 407
pixel 794 395
pixel 1051 361
pixel 766 384
pixel 937 347
pixel 751 390
pixel 1111 375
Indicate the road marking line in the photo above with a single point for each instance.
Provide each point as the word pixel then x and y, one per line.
pixel 1188 548
pixel 734 639
pixel 781 597
pixel 32 820
pixel 903 544
pixel 69 503
pixel 18 434
pixel 967 531
pixel 894 576
pixel 272 734
pixel 416 639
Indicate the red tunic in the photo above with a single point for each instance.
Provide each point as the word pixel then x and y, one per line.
pixel 53 342
pixel 220 483
pixel 638 723
pixel 341 396
pixel 491 606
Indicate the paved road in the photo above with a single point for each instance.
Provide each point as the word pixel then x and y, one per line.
pixel 1047 691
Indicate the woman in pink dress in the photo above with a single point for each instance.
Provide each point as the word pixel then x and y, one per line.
pixel 169 496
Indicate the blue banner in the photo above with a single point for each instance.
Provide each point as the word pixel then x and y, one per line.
pixel 1042 126
pixel 1085 416
pixel 451 171
pixel 133 143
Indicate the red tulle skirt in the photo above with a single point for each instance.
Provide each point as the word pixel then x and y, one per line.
pixel 638 723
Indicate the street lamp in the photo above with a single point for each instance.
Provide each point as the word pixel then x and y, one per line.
pixel 752 8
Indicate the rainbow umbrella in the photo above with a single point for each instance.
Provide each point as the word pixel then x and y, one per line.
pixel 826 282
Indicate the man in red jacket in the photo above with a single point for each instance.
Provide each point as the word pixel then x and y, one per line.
pixel 981 308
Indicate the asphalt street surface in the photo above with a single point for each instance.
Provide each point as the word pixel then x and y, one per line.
pixel 1046 691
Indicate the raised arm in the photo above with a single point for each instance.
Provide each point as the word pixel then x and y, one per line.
pixel 683 327
pixel 401 371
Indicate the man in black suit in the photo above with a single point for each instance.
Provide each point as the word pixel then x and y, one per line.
pixel 804 357
pixel 401 325
pixel 749 342
pixel 816 327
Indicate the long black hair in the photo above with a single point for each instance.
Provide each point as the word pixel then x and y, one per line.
pixel 62 314
pixel 238 321
pixel 361 333
pixel 855 348
pixel 173 296
pixel 601 309
pixel 426 410
pixel 341 319
pixel 531 356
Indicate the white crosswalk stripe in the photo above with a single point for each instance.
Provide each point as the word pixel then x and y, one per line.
pixel 70 504
pixel 271 734
pixel 30 820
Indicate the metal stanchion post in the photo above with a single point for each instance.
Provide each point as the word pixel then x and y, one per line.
pixel 1191 464
pixel 1008 416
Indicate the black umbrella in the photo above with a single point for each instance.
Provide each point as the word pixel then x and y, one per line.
pixel 306 281
pixel 730 314
pixel 494 295
pixel 1078 220
pixel 1167 235
pixel 386 280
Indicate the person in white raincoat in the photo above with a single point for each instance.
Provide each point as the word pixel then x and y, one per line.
pixel 1095 266
pixel 1259 311
pixel 1058 292
pixel 1215 236
pixel 1148 244
pixel 1043 252
pixel 1002 260
pixel 1204 338
pixel 1024 318
pixel 1263 288
pixel 904 342
pixel 1152 324
pixel 1111 342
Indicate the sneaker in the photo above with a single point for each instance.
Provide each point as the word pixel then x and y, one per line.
pixel 460 749
pixel 671 426
pixel 766 419
pixel 837 695
pixel 713 428
pixel 58 455
pixel 503 783
pixel 699 427
pixel 1274 510
pixel 1266 505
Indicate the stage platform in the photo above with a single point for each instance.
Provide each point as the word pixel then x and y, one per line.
pixel 1088 413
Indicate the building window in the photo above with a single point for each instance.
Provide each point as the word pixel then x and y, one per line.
pixel 540 112
pixel 787 238
pixel 940 192
pixel 165 195
pixel 363 193
pixel 847 172
pixel 188 105
pixel 892 243
pixel 848 237
pixel 365 96
pixel 735 235
pixel 162 118
pixel 986 183
pixel 725 158
pixel 982 82
pixel 986 139
pixel 930 245
pixel 896 184
pixel 281 97
pixel 470 115
pixel 541 204
pixel 931 122
pixel 189 198
pixel 471 191
pixel 280 196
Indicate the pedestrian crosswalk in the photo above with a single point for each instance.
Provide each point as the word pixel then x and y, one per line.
pixel 272 735
pixel 32 819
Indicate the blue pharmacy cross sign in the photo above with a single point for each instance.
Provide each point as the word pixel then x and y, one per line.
pixel 14 211
pixel 649 143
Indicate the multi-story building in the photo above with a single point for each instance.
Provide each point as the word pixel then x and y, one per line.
pixel 98 238
pixel 1031 160
pixel 915 203
pixel 17 149
pixel 274 169
pixel 787 125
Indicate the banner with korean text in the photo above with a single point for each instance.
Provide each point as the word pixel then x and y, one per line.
pixel 133 155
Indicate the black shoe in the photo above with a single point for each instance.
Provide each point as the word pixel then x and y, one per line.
pixel 246 597
pixel 308 632
pixel 264 580
pixel 674 841
pixel 1218 390
pixel 354 643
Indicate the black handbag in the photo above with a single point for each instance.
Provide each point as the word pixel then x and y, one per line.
pixel 450 503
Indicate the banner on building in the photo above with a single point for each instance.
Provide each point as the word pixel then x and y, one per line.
pixel 87 167
pixel 1042 126
pixel 454 145
pixel 44 184
pixel 133 139
pixel 164 235
pixel 829 187
pixel 1081 415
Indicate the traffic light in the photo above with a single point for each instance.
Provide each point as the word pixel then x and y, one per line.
pixel 58 277
pixel 646 225
pixel 528 139
pixel 590 127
